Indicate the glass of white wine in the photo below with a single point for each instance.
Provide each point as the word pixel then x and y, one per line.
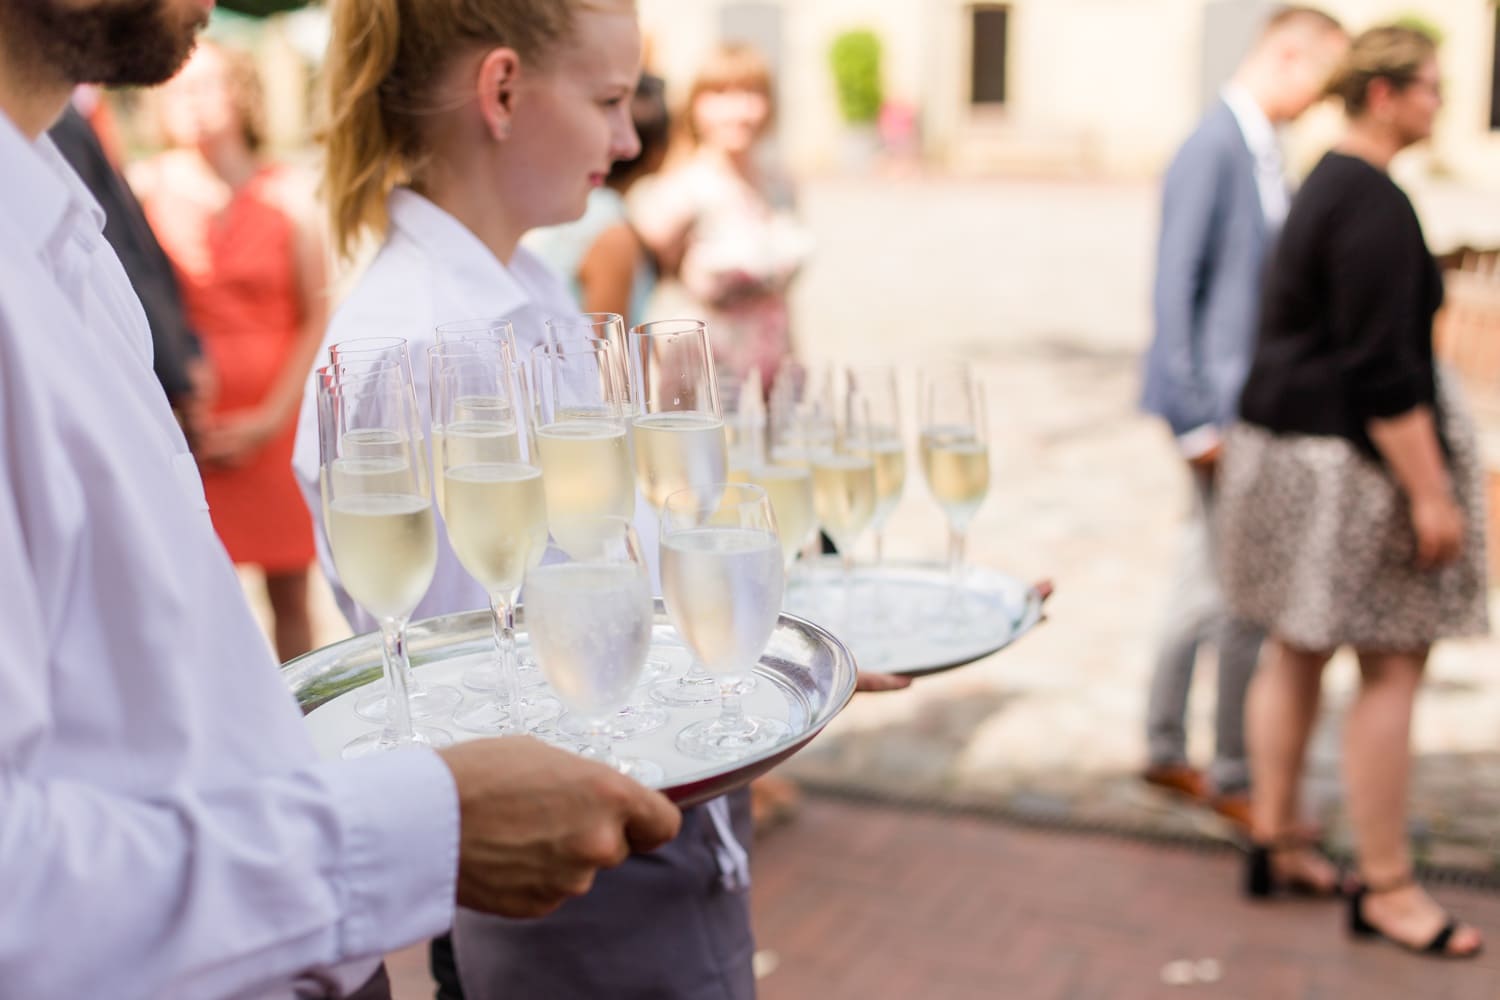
pixel 493 330
pixel 955 457
pixel 843 476
pixel 679 443
pixel 877 387
pixel 589 614
pixel 361 357
pixel 608 327
pixel 496 515
pixel 723 581
pixel 377 508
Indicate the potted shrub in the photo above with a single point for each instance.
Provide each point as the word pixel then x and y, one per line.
pixel 855 60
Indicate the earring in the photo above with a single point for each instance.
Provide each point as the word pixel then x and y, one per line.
pixel 505 130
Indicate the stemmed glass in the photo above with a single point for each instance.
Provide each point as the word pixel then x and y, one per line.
pixel 723 582
pixel 586 466
pixel 955 457
pixel 589 614
pixel 608 327
pixel 876 386
pixel 381 531
pixel 843 476
pixel 496 516
pixel 365 356
pixel 496 330
pixel 679 442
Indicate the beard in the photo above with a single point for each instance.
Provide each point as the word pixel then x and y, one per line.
pixel 115 42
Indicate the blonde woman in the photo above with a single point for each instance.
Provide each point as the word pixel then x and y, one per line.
pixel 1352 510
pixel 456 127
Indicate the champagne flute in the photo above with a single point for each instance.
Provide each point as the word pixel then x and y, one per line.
pixel 608 327
pixel 492 330
pixel 587 471
pixel 955 457
pixel 581 441
pixel 843 476
pixel 365 356
pixel 723 582
pixel 679 443
pixel 589 614
pixel 381 529
pixel 496 516
pixel 877 386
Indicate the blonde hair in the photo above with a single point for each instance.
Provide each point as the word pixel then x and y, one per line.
pixel 384 59
pixel 733 66
pixel 1392 52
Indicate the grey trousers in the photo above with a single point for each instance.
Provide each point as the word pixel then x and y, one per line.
pixel 1196 616
pixel 659 927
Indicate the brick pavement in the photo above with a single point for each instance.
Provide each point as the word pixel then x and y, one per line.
pixel 861 902
pixel 869 903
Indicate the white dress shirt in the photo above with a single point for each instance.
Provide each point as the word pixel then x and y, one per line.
pixel 1265 147
pixel 165 828
pixel 431 270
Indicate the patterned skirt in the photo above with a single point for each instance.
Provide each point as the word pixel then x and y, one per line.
pixel 1317 546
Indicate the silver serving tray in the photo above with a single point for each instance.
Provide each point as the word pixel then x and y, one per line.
pixel 899 625
pixel 805 676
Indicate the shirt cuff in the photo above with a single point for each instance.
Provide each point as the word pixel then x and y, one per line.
pixel 1199 441
pixel 399 812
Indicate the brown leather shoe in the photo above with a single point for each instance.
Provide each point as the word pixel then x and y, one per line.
pixel 1235 808
pixel 1183 779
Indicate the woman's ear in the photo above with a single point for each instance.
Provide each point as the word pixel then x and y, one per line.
pixel 499 71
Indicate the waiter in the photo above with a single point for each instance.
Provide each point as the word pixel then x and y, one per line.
pixel 165 827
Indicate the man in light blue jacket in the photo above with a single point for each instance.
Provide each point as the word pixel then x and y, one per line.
pixel 1224 198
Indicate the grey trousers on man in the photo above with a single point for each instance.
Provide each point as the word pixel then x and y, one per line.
pixel 1197 616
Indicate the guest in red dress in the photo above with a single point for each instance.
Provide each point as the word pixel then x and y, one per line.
pixel 242 234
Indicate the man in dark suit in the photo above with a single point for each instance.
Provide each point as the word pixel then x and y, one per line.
pixel 178 360
pixel 1224 199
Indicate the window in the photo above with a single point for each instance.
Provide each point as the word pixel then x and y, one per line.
pixel 991 31
pixel 1495 76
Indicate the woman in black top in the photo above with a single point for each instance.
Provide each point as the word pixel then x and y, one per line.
pixel 1351 505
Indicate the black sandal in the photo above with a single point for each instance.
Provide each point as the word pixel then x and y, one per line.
pixel 1437 947
pixel 1260 875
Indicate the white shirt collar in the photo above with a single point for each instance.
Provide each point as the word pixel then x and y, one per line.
pixel 1259 133
pixel 446 239
pixel 44 191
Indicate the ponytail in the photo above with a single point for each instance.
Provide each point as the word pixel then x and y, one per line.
pixel 364 157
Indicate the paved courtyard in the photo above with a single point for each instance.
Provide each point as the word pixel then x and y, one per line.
pixel 1044 287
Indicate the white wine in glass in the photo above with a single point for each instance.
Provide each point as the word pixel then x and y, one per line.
pixel 955 460
pixel 589 614
pixel 790 490
pixel 381 529
pixel 496 515
pixel 376 459
pixel 723 580
pixel 679 443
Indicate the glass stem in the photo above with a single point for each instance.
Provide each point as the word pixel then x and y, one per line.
pixel 398 728
pixel 879 547
pixel 846 559
pixel 596 741
pixel 732 708
pixel 508 688
pixel 956 557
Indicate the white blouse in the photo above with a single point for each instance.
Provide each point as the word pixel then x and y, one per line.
pixel 165 827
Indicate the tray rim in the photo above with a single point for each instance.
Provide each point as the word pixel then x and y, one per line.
pixel 700 786
pixel 1033 610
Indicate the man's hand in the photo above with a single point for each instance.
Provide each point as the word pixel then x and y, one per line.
pixel 536 823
